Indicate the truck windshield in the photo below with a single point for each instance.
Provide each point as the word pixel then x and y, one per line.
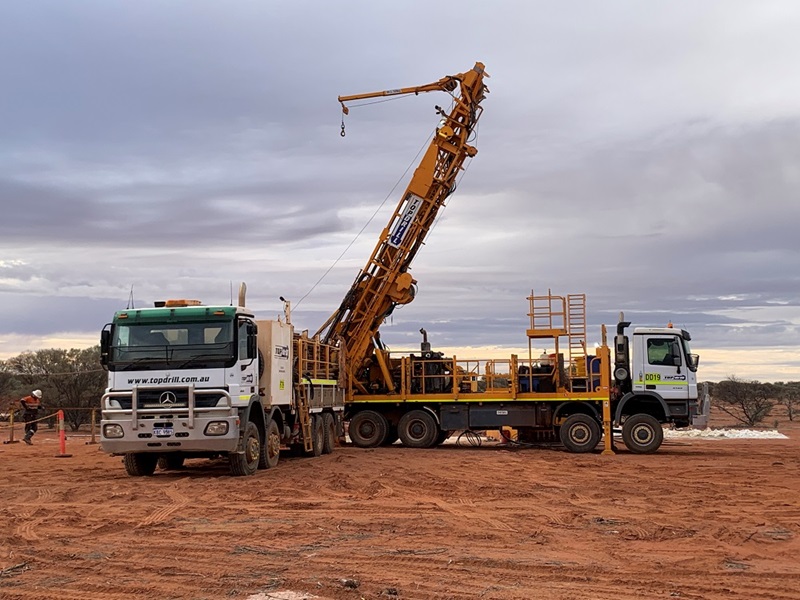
pixel 161 345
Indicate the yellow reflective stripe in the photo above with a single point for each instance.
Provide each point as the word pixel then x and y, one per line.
pixel 323 381
pixel 244 396
pixel 472 400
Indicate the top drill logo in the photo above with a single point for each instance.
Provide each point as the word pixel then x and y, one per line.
pixel 413 203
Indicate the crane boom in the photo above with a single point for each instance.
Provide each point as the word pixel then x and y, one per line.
pixel 446 84
pixel 385 281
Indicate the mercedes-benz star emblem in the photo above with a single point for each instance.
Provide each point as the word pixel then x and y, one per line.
pixel 168 398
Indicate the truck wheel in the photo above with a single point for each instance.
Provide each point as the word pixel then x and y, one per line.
pixel 271 449
pixel 580 433
pixel 642 433
pixel 368 429
pixel 329 426
pixel 246 463
pixel 418 429
pixel 170 462
pixel 317 435
pixel 140 464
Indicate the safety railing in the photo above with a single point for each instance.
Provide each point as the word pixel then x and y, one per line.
pixel 316 359
pixel 497 379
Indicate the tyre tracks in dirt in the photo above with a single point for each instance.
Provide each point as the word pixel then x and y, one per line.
pixel 178 501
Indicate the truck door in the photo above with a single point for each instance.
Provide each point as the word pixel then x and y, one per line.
pixel 663 369
pixel 247 365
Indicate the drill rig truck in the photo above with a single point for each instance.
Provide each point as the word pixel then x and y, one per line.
pixel 187 380
pixel 568 395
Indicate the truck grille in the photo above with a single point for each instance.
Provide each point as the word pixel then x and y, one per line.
pixel 169 398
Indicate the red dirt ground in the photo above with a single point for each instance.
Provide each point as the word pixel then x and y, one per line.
pixel 699 519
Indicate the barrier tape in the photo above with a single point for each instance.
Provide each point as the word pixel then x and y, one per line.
pixel 59 414
pixel 11 423
pixel 55 414
pixel 62 432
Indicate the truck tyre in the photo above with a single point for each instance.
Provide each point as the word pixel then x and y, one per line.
pixel 580 433
pixel 368 429
pixel 246 463
pixel 140 464
pixel 418 429
pixel 170 462
pixel 329 426
pixel 317 435
pixel 642 433
pixel 271 448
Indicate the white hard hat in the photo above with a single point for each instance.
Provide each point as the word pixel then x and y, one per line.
pixel 37 393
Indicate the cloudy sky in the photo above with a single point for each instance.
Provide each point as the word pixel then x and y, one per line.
pixel 645 153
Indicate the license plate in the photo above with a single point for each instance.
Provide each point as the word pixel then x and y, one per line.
pixel 162 431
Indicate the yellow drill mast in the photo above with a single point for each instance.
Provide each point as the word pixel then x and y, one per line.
pixel 385 281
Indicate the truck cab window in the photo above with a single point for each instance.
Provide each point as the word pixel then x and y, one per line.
pixel 242 340
pixel 660 352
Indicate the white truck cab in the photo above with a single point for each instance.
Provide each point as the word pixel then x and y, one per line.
pixel 178 377
pixel 655 374
pixel 191 381
pixel 664 363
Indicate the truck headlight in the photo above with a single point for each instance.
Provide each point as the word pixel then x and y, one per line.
pixel 112 431
pixel 217 428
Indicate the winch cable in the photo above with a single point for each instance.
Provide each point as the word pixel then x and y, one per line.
pixel 374 214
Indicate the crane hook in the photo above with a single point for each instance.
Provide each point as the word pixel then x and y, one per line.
pixel 345 111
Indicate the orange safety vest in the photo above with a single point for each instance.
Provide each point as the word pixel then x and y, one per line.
pixel 31 403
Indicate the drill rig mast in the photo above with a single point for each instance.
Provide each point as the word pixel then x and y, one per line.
pixel 385 281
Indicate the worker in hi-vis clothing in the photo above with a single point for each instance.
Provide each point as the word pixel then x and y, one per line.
pixel 31 405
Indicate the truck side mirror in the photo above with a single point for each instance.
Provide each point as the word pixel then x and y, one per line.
pixel 105 344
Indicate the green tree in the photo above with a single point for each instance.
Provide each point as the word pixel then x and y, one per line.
pixel 11 388
pixel 749 402
pixel 789 396
pixel 70 379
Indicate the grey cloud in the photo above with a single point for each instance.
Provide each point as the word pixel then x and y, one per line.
pixel 39 315
pixel 170 216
